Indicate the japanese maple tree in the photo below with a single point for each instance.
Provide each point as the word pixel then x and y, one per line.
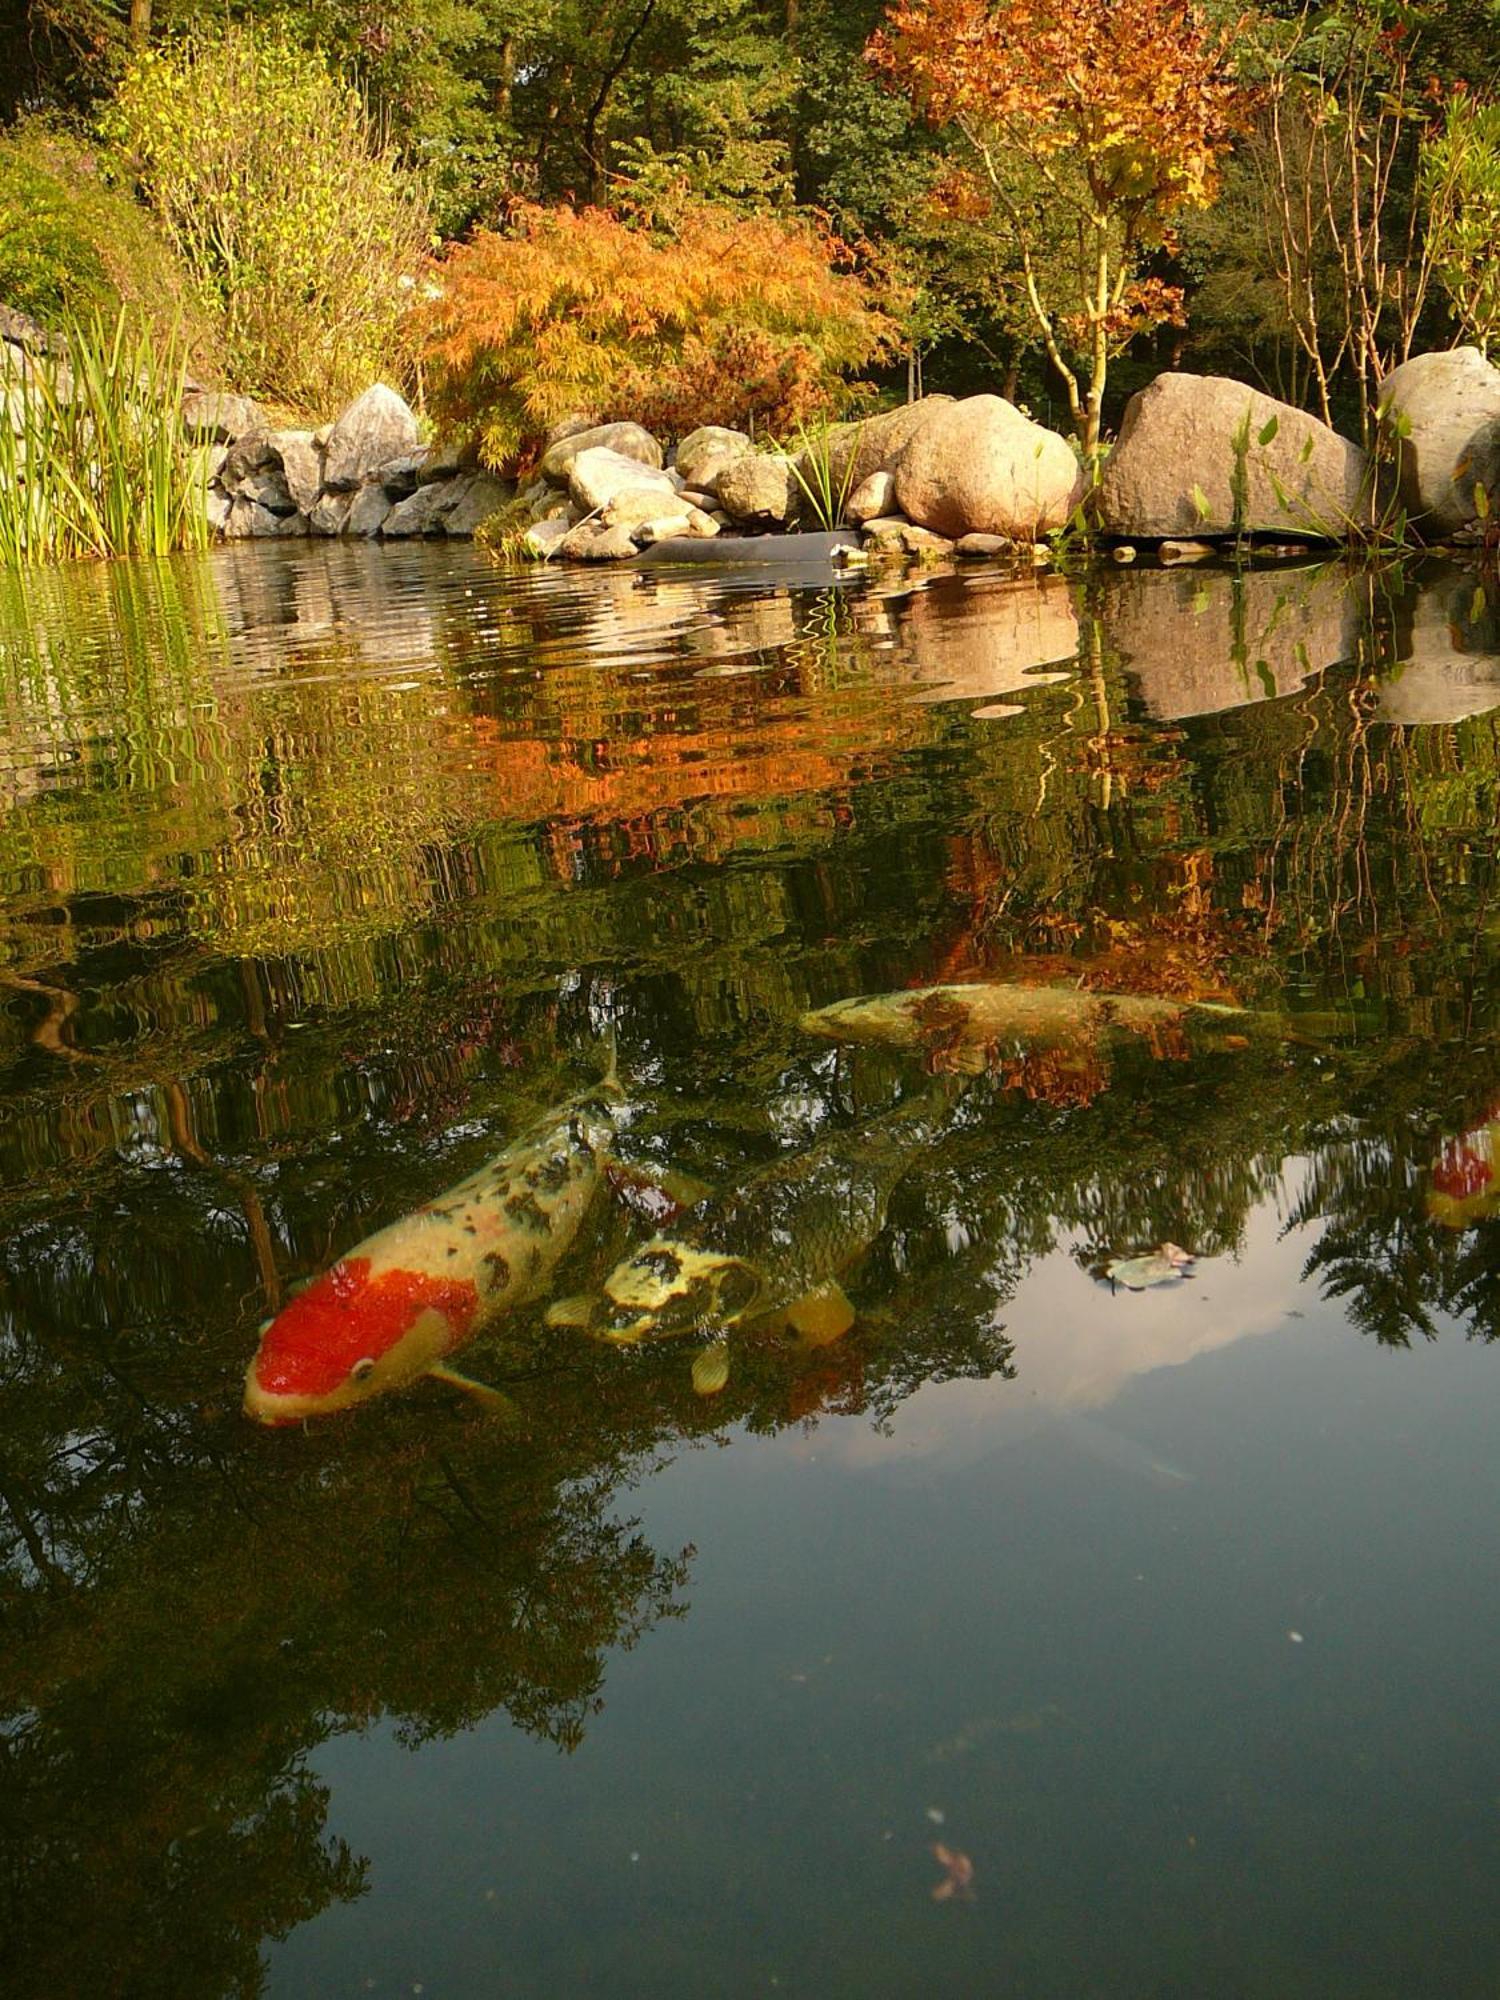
pixel 1112 116
pixel 712 317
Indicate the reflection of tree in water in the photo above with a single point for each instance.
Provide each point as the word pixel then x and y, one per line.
pixel 1395 1268
pixel 191 1607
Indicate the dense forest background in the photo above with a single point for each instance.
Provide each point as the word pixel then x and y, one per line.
pixel 1343 220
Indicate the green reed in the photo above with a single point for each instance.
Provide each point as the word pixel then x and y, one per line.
pixel 823 466
pixel 93 458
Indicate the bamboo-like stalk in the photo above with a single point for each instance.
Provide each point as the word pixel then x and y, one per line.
pixel 93 459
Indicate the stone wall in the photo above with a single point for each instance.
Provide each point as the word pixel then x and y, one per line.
pixel 367 473
pixel 1197 456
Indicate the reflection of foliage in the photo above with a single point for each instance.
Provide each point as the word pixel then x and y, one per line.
pixel 309 894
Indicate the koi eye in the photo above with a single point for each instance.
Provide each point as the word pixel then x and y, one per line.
pixel 363 1369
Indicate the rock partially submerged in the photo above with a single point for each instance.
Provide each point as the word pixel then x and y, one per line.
pixel 1203 455
pixel 980 467
pixel 1440 418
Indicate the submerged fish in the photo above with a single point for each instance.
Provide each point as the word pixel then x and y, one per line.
pixel 772 1249
pixel 963 1022
pixel 1465 1177
pixel 402 1301
pixel 958 1874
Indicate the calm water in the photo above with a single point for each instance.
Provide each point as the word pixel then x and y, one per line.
pixel 1174 1615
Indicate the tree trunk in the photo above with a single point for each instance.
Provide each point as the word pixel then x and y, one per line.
pixel 140 20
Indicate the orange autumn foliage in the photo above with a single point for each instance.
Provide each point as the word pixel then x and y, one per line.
pixel 1117 113
pixel 747 320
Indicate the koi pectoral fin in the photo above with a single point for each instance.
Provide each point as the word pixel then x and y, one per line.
pixel 494 1400
pixel 581 1310
pixel 821 1316
pixel 711 1368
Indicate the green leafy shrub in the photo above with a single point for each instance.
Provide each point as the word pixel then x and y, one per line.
pixel 1460 181
pixel 72 245
pixel 290 208
pixel 723 318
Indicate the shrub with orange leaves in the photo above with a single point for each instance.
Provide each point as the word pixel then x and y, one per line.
pixel 751 320
pixel 1115 114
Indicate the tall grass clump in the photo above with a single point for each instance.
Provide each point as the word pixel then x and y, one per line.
pixel 823 472
pixel 93 460
pixel 300 225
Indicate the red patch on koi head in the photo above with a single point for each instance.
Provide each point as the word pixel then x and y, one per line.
pixel 348 1316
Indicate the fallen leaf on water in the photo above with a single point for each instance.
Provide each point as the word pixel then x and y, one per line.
pixel 1163 1266
pixel 958 1879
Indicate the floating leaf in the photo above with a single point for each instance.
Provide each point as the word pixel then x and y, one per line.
pixel 1163 1266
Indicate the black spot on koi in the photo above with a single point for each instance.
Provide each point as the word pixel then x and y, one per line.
pixel 523 1207
pixel 498 1268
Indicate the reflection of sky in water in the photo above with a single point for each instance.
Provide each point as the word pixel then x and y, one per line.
pixel 1228 1733
pixel 311 860
pixel 1079 1344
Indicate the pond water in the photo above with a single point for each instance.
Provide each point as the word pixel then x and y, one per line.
pixel 1154 1629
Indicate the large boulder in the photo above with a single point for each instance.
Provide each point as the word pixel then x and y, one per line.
pixel 854 450
pixel 1203 455
pixel 708 451
pixel 1440 417
pixel 759 490
pixel 595 477
pixel 376 427
pixel 978 467
pixel 625 440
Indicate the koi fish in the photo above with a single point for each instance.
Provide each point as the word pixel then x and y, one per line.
pixel 397 1305
pixel 1465 1177
pixel 770 1251
pixel 963 1023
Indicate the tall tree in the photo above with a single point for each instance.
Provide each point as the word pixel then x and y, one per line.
pixel 1113 115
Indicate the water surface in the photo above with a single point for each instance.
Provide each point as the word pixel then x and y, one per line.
pixel 323 869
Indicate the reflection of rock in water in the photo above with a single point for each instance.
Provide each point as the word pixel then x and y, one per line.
pixel 1197 641
pixel 332 603
pixel 1445 646
pixel 964 639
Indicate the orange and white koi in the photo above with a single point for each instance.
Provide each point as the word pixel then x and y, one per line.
pixel 399 1304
